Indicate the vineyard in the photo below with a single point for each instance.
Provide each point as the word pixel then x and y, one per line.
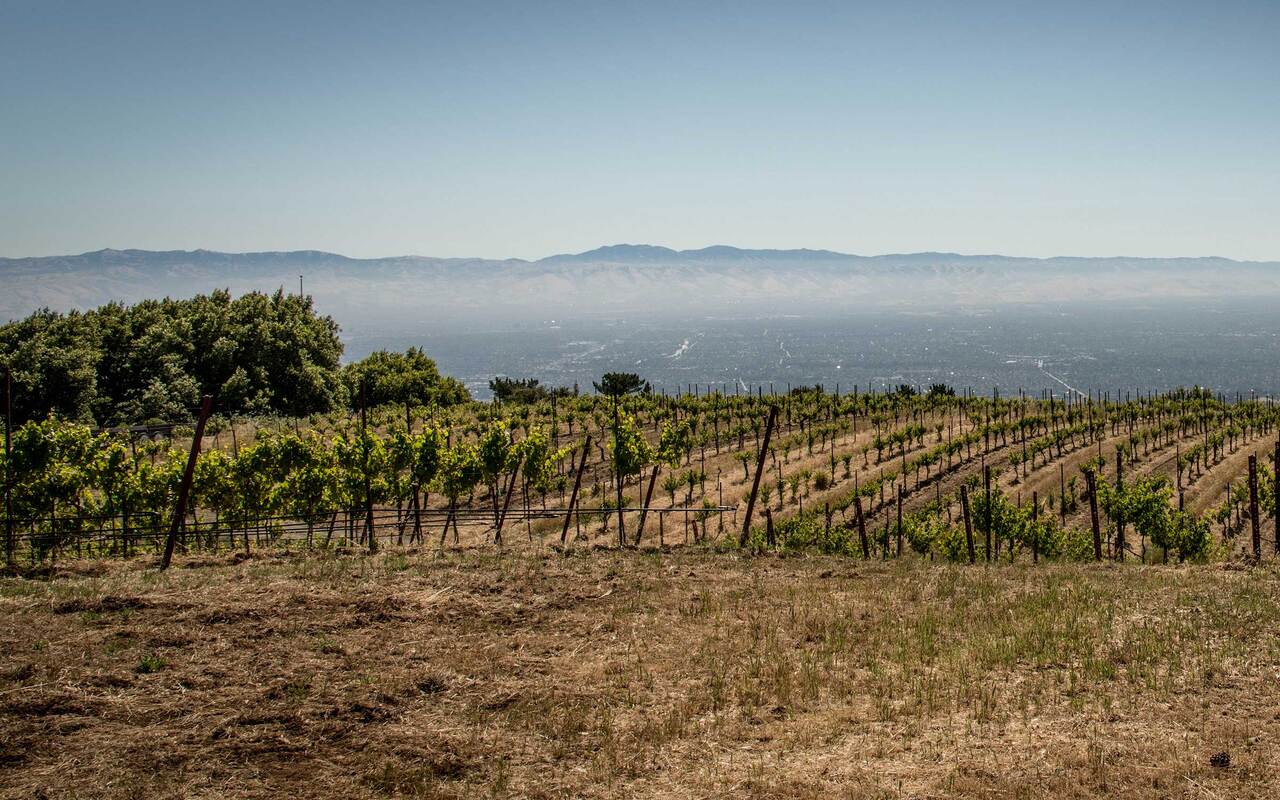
pixel 640 401
pixel 937 475
pixel 629 594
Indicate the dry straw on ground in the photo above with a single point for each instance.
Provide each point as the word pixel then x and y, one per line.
pixel 605 674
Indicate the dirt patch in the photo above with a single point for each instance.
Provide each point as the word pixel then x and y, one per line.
pixel 99 605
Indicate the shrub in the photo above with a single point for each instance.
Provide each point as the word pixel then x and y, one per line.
pixel 149 663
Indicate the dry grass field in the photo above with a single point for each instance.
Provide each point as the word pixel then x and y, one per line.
pixel 637 674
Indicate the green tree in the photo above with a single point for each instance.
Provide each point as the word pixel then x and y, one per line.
pixel 523 390
pixel 620 384
pixel 151 361
pixel 402 378
pixel 53 359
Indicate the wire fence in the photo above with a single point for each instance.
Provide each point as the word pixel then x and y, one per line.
pixel 54 537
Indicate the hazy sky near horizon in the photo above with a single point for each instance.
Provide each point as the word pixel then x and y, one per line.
pixel 525 129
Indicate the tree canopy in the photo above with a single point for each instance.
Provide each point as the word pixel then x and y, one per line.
pixel 620 384
pixel 523 390
pixel 408 377
pixel 151 362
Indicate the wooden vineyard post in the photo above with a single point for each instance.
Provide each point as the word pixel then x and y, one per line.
pixel 1092 481
pixel 573 496
pixel 1177 461
pixel 506 504
pixel 648 496
pixel 769 535
pixel 416 536
pixel 184 488
pixel 900 492
pixel 617 475
pixel 368 489
pixel 986 493
pixel 1035 527
pixel 1275 465
pixel 968 523
pixel 1120 514
pixel 1062 494
pixel 862 528
pixel 755 484
pixel 10 546
pixel 1254 523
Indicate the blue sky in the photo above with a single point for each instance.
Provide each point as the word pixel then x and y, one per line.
pixel 525 129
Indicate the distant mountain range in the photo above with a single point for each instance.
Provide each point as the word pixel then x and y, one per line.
pixel 621 254
pixel 624 278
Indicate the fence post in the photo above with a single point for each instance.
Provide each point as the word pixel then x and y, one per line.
pixel 184 488
pixel 968 523
pixel 573 497
pixel 755 485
